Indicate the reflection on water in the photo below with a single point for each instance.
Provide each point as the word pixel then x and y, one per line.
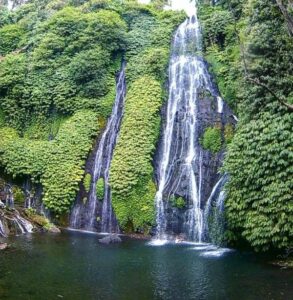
pixel 75 265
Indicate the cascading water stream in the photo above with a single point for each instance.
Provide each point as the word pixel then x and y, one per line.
pixel 20 224
pixel 23 225
pixel 181 156
pixel 9 196
pixel 84 216
pixel 217 197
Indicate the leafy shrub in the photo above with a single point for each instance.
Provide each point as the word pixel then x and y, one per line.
pixel 100 187
pixel 19 196
pixel 256 45
pixel 10 37
pixel 178 202
pixel 64 169
pixel 72 64
pixel 87 182
pixel 57 164
pixel 229 133
pixel 259 200
pixel 212 139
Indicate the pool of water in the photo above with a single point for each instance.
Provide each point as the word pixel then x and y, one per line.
pixel 75 265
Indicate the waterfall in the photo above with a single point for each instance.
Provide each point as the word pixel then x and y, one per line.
pixel 217 198
pixel 29 196
pixel 13 219
pixel 23 225
pixel 85 215
pixel 181 169
pixel 10 4
pixel 13 4
pixel 9 196
pixel 214 214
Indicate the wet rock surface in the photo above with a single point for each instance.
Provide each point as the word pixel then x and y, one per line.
pixel 110 239
pixel 3 246
pixel 205 164
pixel 54 229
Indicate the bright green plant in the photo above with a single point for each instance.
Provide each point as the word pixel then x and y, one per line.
pixel 18 194
pixel 178 202
pixel 58 164
pixel 229 133
pixel 87 182
pixel 100 188
pixel 10 38
pixel 259 200
pixel 212 139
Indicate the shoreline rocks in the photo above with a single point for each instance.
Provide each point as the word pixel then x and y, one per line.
pixel 3 246
pixel 110 239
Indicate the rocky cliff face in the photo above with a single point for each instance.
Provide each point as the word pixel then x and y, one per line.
pixel 206 165
pixel 193 139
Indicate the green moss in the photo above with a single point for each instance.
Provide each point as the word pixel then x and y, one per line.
pixel 18 194
pixel 178 202
pixel 87 182
pixel 229 133
pixel 212 139
pixel 100 188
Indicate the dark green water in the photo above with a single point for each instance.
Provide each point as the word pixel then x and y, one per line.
pixel 75 266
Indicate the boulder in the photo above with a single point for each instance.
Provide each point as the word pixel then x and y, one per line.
pixel 110 239
pixel 3 246
pixel 54 229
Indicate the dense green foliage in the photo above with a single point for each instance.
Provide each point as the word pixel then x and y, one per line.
pixel 57 164
pixel 131 169
pixel 212 139
pixel 131 177
pixel 58 61
pixel 66 67
pixel 260 206
pixel 87 182
pixel 100 187
pixel 250 50
pixel 177 202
